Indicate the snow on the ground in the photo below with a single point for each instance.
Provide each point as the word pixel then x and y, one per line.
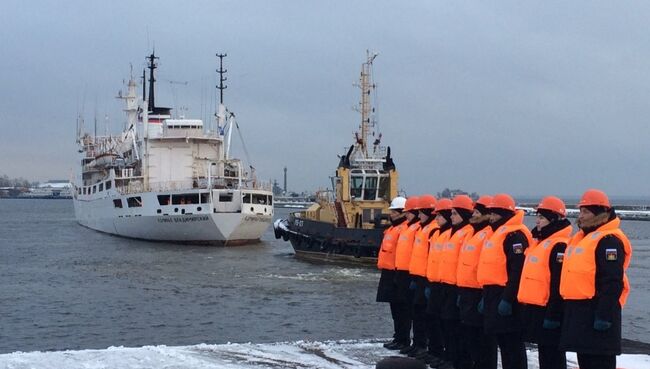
pixel 292 355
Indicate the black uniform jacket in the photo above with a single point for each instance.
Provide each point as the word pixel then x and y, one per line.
pixel 435 301
pixel 534 315
pixel 493 322
pixel 578 333
pixel 449 293
pixel 386 289
pixel 470 297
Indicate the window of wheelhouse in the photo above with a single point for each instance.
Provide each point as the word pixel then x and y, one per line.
pixel 117 203
pixel 356 184
pixel 108 185
pixel 370 188
pixel 247 198
pixel 369 184
pixel 101 187
pixel 384 187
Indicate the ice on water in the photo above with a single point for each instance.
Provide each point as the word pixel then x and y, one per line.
pixel 358 354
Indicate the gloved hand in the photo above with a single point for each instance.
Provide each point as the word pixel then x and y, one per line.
pixel 481 306
pixel 413 285
pixel 458 301
pixel 427 292
pixel 504 308
pixel 601 325
pixel 551 324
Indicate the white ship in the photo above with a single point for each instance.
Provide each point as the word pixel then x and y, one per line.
pixel 169 179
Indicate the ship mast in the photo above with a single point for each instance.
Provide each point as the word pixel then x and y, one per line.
pixel 366 86
pixel 152 65
pixel 222 79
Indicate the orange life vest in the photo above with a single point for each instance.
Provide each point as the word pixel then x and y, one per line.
pixel 420 253
pixel 468 258
pixel 404 246
pixel 449 256
pixel 535 284
pixel 386 258
pixel 436 243
pixel 492 267
pixel 578 281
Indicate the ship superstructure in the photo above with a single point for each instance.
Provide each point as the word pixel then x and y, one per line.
pixel 346 222
pixel 169 178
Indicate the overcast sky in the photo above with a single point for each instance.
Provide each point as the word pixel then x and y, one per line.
pixel 487 96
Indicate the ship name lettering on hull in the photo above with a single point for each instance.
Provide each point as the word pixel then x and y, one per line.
pixel 200 218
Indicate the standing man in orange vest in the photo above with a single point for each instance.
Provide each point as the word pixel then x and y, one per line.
pixel 418 272
pixel 403 293
pixel 499 272
pixel 539 290
pixel 386 263
pixel 461 211
pixel 479 350
pixel 594 284
pixel 433 292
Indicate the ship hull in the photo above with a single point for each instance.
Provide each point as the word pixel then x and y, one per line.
pixel 324 242
pixel 191 223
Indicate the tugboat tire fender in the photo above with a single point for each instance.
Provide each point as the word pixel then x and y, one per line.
pixel 277 233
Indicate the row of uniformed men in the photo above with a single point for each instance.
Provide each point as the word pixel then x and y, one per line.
pixel 470 277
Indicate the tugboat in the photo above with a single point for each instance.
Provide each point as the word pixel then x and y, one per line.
pixel 346 223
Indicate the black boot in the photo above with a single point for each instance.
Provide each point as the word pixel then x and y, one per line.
pixel 418 353
pixel 408 350
pixel 391 343
pixel 399 346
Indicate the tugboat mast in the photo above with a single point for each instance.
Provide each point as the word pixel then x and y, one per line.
pixel 366 87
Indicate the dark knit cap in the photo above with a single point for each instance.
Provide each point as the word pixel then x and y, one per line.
pixel 445 214
pixel 481 209
pixel 551 216
pixel 427 212
pixel 464 213
pixel 503 212
pixel 596 209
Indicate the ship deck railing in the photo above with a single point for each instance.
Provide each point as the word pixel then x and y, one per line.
pixel 228 183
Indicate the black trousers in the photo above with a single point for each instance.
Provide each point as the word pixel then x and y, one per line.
pixel 586 361
pixel 402 316
pixel 513 351
pixel 477 350
pixel 436 343
pixel 451 334
pixel 550 357
pixel 420 317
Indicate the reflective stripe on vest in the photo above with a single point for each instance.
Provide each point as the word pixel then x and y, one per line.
pixel 420 253
pixel 468 258
pixel 579 268
pixel 449 256
pixel 405 246
pixel 492 263
pixel 435 250
pixel 535 284
pixel 386 258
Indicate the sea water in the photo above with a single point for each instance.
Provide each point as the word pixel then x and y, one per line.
pixel 63 286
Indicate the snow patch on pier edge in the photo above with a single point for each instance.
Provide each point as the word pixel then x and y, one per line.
pixel 361 354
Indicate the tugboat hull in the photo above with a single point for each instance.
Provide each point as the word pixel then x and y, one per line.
pixel 324 242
